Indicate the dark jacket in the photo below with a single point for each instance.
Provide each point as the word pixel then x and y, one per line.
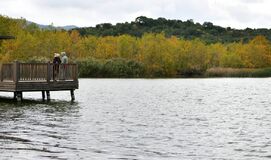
pixel 57 60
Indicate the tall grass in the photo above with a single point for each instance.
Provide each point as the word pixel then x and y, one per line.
pixel 111 68
pixel 238 72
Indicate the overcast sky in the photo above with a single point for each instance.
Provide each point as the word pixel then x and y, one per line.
pixel 233 13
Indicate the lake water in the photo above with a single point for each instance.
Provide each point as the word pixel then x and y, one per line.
pixel 142 119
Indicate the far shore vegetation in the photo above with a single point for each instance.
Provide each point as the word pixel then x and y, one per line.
pixel 151 54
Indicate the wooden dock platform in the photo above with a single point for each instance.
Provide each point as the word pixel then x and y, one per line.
pixel 33 77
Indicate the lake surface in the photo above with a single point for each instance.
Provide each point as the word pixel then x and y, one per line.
pixel 141 119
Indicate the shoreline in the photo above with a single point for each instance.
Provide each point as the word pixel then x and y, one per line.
pixel 210 73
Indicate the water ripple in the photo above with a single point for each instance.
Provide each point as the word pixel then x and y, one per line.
pixel 142 119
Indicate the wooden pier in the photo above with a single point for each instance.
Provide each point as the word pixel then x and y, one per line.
pixel 38 77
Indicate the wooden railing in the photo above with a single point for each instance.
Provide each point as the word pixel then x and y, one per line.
pixel 32 72
pixel 6 73
pixel 20 72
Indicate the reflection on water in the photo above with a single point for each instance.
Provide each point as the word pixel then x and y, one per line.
pixel 142 119
pixel 36 129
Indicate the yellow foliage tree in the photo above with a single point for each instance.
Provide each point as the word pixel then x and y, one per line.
pixel 107 48
pixel 154 52
pixel 127 46
pixel 259 52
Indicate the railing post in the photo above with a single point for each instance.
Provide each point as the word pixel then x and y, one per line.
pixel 48 72
pixel 1 72
pixel 76 72
pixel 16 71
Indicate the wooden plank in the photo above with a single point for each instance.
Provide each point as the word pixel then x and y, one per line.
pixel 16 71
pixel 48 78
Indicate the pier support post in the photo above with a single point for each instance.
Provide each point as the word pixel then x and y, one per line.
pixel 43 95
pixel 19 96
pixel 72 95
pixel 14 95
pixel 48 95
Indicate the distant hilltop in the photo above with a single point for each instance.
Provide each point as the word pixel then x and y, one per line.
pixel 42 26
pixel 188 29
pixel 7 20
pixel 67 28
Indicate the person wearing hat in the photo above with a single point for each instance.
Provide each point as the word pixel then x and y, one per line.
pixel 56 63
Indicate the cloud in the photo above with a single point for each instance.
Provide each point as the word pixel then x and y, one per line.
pixel 234 13
pixel 244 13
pixel 252 1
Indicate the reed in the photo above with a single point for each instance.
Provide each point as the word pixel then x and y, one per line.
pixel 238 72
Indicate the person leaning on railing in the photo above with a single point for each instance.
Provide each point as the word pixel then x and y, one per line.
pixel 64 62
pixel 56 63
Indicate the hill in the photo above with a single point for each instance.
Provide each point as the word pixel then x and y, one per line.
pixel 143 54
pixel 207 31
pixel 66 27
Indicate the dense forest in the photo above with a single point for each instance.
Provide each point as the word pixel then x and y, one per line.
pixel 208 32
pixel 160 53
